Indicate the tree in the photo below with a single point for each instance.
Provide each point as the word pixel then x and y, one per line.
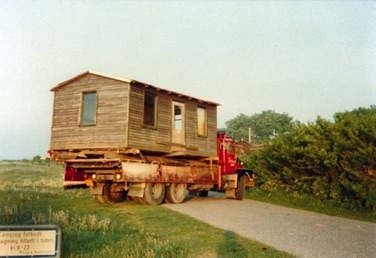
pixel 238 126
pixel 264 125
pixel 36 159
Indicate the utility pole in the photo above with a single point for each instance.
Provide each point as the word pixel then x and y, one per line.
pixel 250 135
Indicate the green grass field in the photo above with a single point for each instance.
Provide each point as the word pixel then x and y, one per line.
pixel 34 194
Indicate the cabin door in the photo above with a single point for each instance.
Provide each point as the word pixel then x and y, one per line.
pixel 178 124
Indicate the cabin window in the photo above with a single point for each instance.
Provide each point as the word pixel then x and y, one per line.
pixel 89 108
pixel 150 109
pixel 202 123
pixel 178 117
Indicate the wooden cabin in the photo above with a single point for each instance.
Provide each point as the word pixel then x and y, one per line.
pixel 96 111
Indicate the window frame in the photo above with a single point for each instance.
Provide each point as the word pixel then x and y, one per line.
pixel 83 108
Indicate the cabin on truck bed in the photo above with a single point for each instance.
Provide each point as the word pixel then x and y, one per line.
pixel 105 115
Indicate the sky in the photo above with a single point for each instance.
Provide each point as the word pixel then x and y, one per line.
pixel 303 58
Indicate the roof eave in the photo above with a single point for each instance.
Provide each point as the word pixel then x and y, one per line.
pixel 174 93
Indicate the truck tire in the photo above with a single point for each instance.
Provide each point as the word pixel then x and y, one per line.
pixel 240 189
pixel 175 193
pixel 154 193
pixel 110 195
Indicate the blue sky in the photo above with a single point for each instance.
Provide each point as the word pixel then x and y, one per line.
pixel 304 58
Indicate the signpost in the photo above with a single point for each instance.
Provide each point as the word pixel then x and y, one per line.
pixel 30 240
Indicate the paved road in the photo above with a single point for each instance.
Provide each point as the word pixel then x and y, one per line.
pixel 300 233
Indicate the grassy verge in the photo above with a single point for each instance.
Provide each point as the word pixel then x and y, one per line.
pixel 33 194
pixel 309 203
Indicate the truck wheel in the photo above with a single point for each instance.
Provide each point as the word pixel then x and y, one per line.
pixel 154 193
pixel 240 189
pixel 175 193
pixel 111 195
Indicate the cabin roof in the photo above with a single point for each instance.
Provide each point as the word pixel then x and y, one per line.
pixel 131 81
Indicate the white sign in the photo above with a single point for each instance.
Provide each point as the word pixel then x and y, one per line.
pixel 29 241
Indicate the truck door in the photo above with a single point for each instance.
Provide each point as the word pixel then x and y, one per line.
pixel 228 156
pixel 178 123
pixel 231 158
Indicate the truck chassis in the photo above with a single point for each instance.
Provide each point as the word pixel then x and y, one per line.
pixel 153 179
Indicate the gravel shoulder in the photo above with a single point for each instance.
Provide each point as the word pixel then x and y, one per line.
pixel 300 233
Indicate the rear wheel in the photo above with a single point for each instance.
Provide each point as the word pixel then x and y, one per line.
pixel 240 189
pixel 112 194
pixel 175 193
pixel 154 193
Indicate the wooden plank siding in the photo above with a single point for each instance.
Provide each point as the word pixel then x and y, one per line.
pixel 111 127
pixel 119 117
pixel 207 145
pixel 146 138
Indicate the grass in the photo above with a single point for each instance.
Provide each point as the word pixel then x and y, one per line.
pixel 309 203
pixel 33 194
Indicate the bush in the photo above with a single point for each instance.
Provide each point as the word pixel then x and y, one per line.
pixel 331 160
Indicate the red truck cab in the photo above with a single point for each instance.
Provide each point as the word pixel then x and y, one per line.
pixel 230 167
pixel 227 158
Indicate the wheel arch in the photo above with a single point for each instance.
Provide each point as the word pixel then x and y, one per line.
pixel 246 172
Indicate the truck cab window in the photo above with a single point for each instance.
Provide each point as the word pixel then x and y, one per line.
pixel 231 148
pixel 223 146
pixel 89 108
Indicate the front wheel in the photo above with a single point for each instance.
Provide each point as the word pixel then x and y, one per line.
pixel 240 189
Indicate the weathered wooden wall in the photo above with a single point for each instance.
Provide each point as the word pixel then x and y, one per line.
pixel 111 126
pixel 142 137
pixel 207 145
pixel 119 120
pixel 147 138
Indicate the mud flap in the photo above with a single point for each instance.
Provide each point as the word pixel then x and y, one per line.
pixel 231 183
pixel 97 190
pixel 137 189
pixel 230 194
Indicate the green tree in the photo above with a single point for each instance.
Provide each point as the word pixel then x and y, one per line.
pixel 264 125
pixel 36 159
pixel 238 126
